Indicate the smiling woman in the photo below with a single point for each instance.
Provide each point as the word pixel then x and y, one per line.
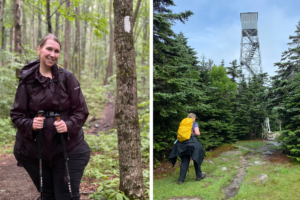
pixel 48 51
pixel 41 137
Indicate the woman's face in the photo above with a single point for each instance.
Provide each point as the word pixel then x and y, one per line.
pixel 49 53
pixel 194 118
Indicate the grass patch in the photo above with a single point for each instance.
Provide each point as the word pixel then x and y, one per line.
pixel 282 182
pixel 208 188
pixel 219 150
pixel 251 144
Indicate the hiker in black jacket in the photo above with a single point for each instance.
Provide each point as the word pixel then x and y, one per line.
pixel 41 88
pixel 187 149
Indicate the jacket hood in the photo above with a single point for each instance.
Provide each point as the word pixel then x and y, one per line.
pixel 30 72
pixel 28 69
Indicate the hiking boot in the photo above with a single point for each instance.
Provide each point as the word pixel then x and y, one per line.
pixel 180 182
pixel 202 177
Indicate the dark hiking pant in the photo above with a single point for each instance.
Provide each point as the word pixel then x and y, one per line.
pixel 185 162
pixel 55 185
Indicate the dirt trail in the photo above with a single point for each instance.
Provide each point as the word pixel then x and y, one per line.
pixel 106 123
pixel 15 183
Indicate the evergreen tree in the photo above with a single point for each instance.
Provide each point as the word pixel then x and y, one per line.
pixel 175 77
pixel 233 70
pixel 288 68
pixel 215 121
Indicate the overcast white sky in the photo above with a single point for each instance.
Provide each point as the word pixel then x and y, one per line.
pixel 215 27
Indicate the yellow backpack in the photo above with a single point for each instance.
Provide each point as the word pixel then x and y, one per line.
pixel 185 129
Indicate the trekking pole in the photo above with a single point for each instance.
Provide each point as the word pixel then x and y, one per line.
pixel 57 117
pixel 40 114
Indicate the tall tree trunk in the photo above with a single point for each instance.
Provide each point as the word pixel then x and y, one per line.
pixel 136 12
pixel 39 29
pixel 24 21
pixel 2 27
pixel 91 41
pixel 145 42
pixel 1 11
pixel 11 36
pixel 109 68
pixel 145 51
pixel 79 55
pixel 57 21
pixel 67 39
pixel 32 27
pixel 48 17
pixel 83 43
pixel 126 115
pixel 17 25
pixel 76 42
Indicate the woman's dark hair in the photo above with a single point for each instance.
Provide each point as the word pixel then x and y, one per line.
pixel 47 37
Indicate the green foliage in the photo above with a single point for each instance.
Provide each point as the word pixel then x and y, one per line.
pixel 105 191
pixel 8 81
pixel 291 143
pixel 94 96
pixel 7 131
pixel 221 81
pixel 144 121
pixel 107 143
pixel 285 96
pixel 105 166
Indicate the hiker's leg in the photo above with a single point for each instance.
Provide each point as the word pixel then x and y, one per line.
pixel 185 162
pixel 76 164
pixel 32 169
pixel 197 170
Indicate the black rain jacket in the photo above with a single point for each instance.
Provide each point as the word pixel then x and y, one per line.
pixel 45 97
pixel 191 147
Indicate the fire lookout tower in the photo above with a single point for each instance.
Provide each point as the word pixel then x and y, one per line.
pixel 250 52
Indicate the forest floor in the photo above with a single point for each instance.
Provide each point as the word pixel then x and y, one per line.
pixel 15 183
pixel 252 169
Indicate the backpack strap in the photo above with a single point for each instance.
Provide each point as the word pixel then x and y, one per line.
pixel 62 78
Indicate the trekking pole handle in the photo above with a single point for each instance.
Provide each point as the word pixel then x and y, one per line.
pixel 57 117
pixel 40 113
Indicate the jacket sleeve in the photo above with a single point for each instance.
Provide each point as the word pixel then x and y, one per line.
pixel 78 106
pixel 19 113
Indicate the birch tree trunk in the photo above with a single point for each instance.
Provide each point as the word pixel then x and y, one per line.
pixel 32 27
pixel 136 12
pixel 91 41
pixel 57 21
pixel 17 25
pixel 78 42
pixel 67 39
pixel 24 21
pixel 126 115
pixel 2 27
pixel 1 11
pixel 39 29
pixel 83 42
pixel 109 69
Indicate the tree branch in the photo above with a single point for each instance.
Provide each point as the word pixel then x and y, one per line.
pixel 57 8
pixel 136 12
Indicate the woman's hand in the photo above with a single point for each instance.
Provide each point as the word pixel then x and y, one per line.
pixel 38 123
pixel 61 126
